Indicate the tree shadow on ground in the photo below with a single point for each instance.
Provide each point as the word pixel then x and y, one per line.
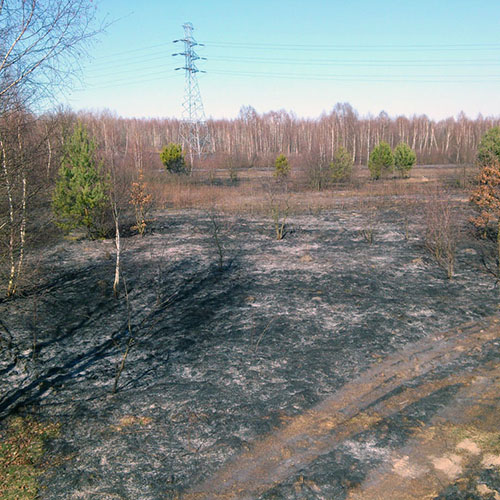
pixel 191 308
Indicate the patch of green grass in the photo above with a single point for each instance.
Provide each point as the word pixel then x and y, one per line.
pixel 21 452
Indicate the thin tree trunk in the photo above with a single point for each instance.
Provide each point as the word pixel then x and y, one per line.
pixel 22 235
pixel 49 150
pixel 22 227
pixel 12 272
pixel 116 281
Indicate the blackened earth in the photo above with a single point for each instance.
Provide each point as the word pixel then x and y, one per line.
pixel 224 356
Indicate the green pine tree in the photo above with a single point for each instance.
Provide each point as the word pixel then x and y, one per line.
pixel 173 159
pixel 488 151
pixel 381 160
pixel 404 159
pixel 80 197
pixel 281 167
pixel 341 165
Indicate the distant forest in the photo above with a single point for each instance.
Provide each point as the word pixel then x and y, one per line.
pixel 253 139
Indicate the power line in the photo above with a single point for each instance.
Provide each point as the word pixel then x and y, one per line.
pixel 353 47
pixel 103 61
pixel 132 51
pixel 133 68
pixel 337 45
pixel 360 62
pixel 133 71
pixel 126 82
pixel 118 62
pixel 367 78
pixel 144 74
pixel 279 46
pixel 158 75
pixel 160 59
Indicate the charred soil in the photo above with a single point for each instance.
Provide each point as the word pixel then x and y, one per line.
pixel 339 354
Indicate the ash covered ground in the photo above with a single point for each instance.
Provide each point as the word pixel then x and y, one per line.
pixel 223 357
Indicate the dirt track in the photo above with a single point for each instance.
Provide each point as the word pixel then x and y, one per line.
pixel 381 392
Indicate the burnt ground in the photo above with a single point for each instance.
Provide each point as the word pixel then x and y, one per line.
pixel 313 367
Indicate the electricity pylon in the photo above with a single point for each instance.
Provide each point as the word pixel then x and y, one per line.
pixel 194 130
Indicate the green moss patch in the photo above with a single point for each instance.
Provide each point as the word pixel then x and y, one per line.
pixel 21 451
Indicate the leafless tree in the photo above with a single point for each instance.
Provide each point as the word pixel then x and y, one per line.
pixel 14 177
pixel 41 44
pixel 442 231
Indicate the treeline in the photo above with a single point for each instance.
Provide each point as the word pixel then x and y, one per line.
pixel 256 139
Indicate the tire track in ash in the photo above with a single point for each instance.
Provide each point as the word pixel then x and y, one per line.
pixel 456 444
pixel 359 405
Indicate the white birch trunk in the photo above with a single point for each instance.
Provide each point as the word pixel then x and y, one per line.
pixel 12 262
pixel 116 282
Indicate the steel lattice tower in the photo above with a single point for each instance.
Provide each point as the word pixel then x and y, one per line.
pixel 194 130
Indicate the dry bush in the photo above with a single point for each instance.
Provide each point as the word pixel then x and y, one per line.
pixel 441 231
pixel 278 205
pixel 216 229
pixel 486 199
pixel 141 200
pixel 460 177
pixel 318 172
pixel 369 204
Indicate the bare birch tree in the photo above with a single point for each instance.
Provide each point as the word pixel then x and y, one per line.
pixel 41 46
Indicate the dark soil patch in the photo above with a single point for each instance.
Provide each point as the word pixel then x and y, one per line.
pixel 222 357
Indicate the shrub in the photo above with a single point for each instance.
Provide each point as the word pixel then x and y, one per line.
pixel 173 159
pixel 141 200
pixel 341 165
pixel 404 159
pixel 281 167
pixel 488 151
pixel 486 198
pixel 279 209
pixel 81 196
pixel 381 160
pixel 441 232
pixel 317 170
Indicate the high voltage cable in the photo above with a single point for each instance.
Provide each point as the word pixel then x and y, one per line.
pixel 135 68
pixel 310 62
pixel 354 62
pixel 130 71
pixel 149 71
pixel 340 45
pixel 139 49
pixel 348 78
pixel 125 82
pixel 159 55
pixel 357 48
pixel 278 46
pixel 368 78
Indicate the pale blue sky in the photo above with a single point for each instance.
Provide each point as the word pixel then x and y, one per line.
pixel 427 57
